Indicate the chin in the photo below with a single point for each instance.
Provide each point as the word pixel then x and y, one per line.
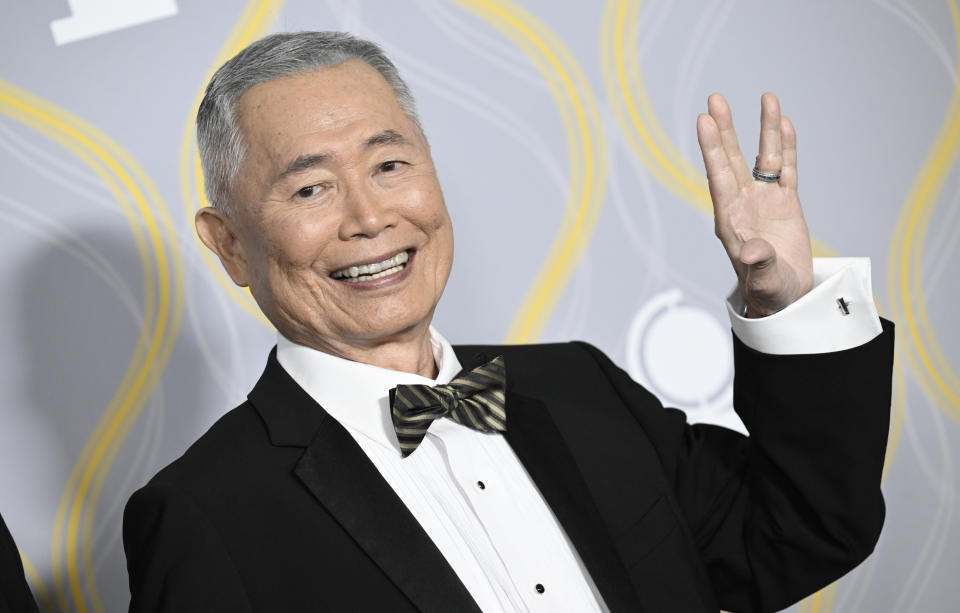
pixel 395 330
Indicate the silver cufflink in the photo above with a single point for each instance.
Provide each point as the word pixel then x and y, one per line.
pixel 844 306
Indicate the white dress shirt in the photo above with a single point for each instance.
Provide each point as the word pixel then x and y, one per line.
pixel 469 491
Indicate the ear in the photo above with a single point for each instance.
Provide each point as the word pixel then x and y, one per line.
pixel 221 235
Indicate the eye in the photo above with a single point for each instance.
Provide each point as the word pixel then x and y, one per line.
pixel 310 191
pixel 391 166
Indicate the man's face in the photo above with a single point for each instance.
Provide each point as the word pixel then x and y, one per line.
pixel 341 224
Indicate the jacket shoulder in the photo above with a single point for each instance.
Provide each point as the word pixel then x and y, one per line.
pixel 227 448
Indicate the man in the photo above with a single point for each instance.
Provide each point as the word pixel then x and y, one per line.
pixel 323 492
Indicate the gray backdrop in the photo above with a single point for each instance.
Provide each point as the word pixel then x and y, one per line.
pixel 564 133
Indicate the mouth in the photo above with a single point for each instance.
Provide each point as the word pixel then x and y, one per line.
pixel 371 272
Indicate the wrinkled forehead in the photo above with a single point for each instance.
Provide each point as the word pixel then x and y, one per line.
pixel 322 100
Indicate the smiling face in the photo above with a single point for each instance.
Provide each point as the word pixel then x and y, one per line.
pixel 340 228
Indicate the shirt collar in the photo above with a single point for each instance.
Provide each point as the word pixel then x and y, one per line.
pixel 356 394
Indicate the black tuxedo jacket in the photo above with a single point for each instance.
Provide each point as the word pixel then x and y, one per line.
pixel 276 508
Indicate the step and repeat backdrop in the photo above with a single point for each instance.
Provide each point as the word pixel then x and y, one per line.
pixel 564 134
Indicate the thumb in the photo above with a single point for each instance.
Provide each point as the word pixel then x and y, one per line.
pixel 757 254
pixel 763 283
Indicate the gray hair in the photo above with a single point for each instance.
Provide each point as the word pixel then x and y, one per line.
pixel 219 137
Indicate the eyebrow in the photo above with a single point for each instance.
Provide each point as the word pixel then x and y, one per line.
pixel 387 137
pixel 303 162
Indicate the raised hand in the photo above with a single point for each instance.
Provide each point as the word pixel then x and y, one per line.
pixel 760 223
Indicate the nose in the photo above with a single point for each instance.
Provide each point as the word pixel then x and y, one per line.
pixel 367 212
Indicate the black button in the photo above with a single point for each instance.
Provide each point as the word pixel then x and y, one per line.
pixel 540 588
pixel 481 485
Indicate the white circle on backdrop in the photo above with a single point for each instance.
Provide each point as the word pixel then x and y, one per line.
pixel 686 354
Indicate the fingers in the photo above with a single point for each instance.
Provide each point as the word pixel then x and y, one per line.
pixel 788 139
pixel 770 158
pixel 720 174
pixel 720 111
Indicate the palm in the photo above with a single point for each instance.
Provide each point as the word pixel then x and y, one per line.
pixel 760 224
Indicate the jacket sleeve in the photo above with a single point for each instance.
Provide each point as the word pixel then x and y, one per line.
pixel 797 504
pixel 175 559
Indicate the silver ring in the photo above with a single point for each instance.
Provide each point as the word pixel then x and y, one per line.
pixel 766 177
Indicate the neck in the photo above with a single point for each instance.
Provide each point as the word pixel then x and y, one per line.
pixel 416 358
pixel 412 354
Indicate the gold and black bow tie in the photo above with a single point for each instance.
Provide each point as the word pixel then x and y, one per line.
pixel 474 398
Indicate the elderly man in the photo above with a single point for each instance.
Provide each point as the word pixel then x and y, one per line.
pixel 377 468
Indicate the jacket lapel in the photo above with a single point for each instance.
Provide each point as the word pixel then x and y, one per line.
pixel 537 442
pixel 540 447
pixel 342 479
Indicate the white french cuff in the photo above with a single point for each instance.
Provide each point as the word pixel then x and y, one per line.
pixel 816 323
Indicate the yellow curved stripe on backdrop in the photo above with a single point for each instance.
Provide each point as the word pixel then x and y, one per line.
pixel 134 398
pixel 253 23
pixel 147 377
pixel 633 109
pixel 620 65
pixel 162 308
pixel 907 299
pixel 586 152
pixel 11 104
pixel 905 279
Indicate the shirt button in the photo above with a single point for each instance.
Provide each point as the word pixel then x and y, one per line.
pixel 540 588
pixel 481 485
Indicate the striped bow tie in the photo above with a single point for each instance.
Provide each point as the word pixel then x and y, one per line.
pixel 475 399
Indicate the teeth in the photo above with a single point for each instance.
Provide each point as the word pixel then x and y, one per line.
pixel 368 272
pixel 382 273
